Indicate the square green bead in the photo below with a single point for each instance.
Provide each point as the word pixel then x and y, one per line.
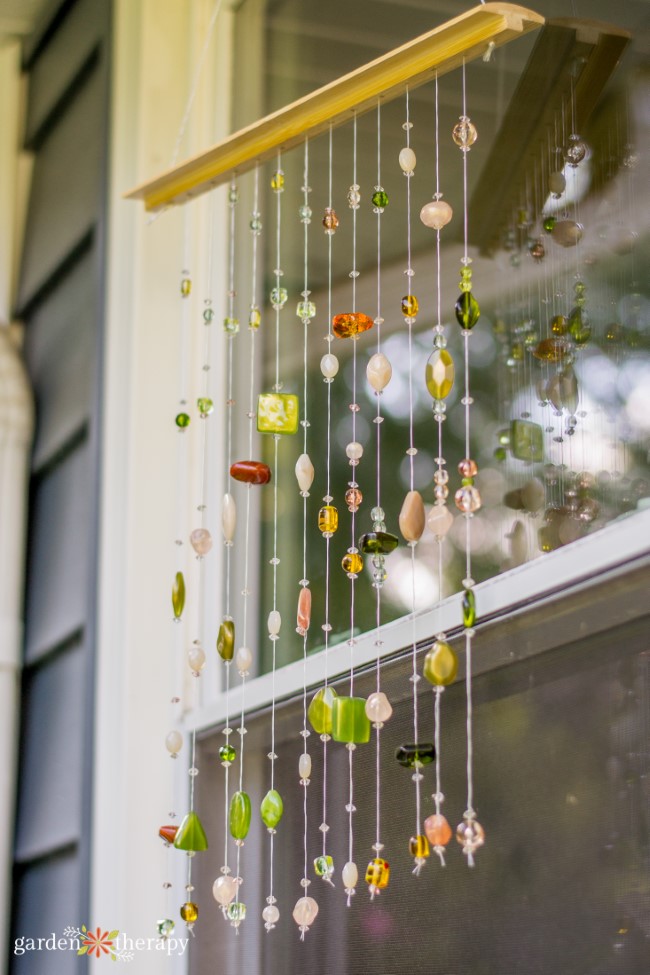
pixel 526 440
pixel 350 723
pixel 277 413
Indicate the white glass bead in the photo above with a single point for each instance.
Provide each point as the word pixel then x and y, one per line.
pixel 557 183
pixel 201 541
pixel 243 660
pixel 305 911
pixel 440 520
pixel 228 517
pixel 378 707
pixel 436 214
pixel 329 365
pixel 274 622
pixel 354 450
pixel 350 875
pixel 271 914
pixel 407 160
pixel 174 742
pixel 196 659
pixel 224 889
pixel 379 371
pixel 304 766
pixel 304 472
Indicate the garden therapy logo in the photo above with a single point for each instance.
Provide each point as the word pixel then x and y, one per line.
pixel 102 943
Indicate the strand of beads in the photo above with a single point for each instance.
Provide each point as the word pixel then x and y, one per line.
pixel 468 500
pixel 378 543
pixel 440 663
pixel 320 708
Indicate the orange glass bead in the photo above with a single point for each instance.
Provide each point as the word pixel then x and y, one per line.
pixel 351 323
pixel 551 350
pixel 168 833
pixel 437 829
pixel 304 611
pixel 251 472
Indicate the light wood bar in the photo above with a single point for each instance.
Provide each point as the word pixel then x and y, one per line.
pixel 439 51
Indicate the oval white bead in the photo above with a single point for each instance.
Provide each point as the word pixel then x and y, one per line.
pixel 304 766
pixel 196 658
pixel 407 160
pixel 329 365
pixel 379 371
pixel 243 660
pixel 271 914
pixel 228 517
pixel 304 472
pixel 378 707
pixel 274 622
pixel 354 450
pixel 436 214
pixel 350 875
pixel 174 742
pixel 224 889
pixel 305 911
pixel 440 520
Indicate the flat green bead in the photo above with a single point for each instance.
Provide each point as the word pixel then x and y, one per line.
pixel 271 809
pixel 191 835
pixel 526 440
pixel 350 723
pixel 440 664
pixel 378 543
pixel 320 710
pixel 467 310
pixel 226 640
pixel 469 608
pixel 277 413
pixel 178 595
pixel 239 817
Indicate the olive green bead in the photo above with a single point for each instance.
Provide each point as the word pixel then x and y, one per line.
pixel 226 640
pixel 440 664
pixel 467 310
pixel 271 809
pixel 239 818
pixel 469 608
pixel 320 710
pixel 178 595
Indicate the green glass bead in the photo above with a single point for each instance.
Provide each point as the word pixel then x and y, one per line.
pixel 379 200
pixel 226 640
pixel 254 317
pixel 579 327
pixel 277 413
pixel 440 664
pixel 230 325
pixel 549 223
pixel 350 723
pixel 205 406
pixel 416 754
pixel 469 608
pixel 271 809
pixel 324 866
pixel 239 818
pixel 526 440
pixel 236 911
pixel 465 273
pixel 256 224
pixel 165 927
pixel 279 298
pixel 439 374
pixel 182 420
pixel 208 315
pixel 378 543
pixel 320 710
pixel 227 754
pixel 467 310
pixel 500 454
pixel 178 595
pixel 305 214
pixel 186 287
pixel 306 310
pixel 191 835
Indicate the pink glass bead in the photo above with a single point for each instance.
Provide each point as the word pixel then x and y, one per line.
pixel 304 611
pixel 201 541
pixel 467 468
pixel 468 499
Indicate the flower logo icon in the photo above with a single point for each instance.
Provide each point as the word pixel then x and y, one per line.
pixel 98 943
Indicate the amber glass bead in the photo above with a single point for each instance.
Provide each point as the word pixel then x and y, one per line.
pixel 415 755
pixel 348 324
pixel 469 608
pixel 467 310
pixel 350 723
pixel 330 220
pixel 226 640
pixel 239 815
pixel 191 835
pixel 277 413
pixel 303 615
pixel 464 133
pixel 227 754
pixel 440 664
pixel 439 374
pixel 419 846
pixel 526 440
pixel 328 520
pixel 437 829
pixel 378 543
pixel 410 306
pixel 182 420
pixel 353 498
pixel 168 833
pixel 271 809
pixel 250 472
pixel 189 912
pixel 320 710
pixel 352 563
pixel 178 595
pixel 551 350
pixel 378 874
